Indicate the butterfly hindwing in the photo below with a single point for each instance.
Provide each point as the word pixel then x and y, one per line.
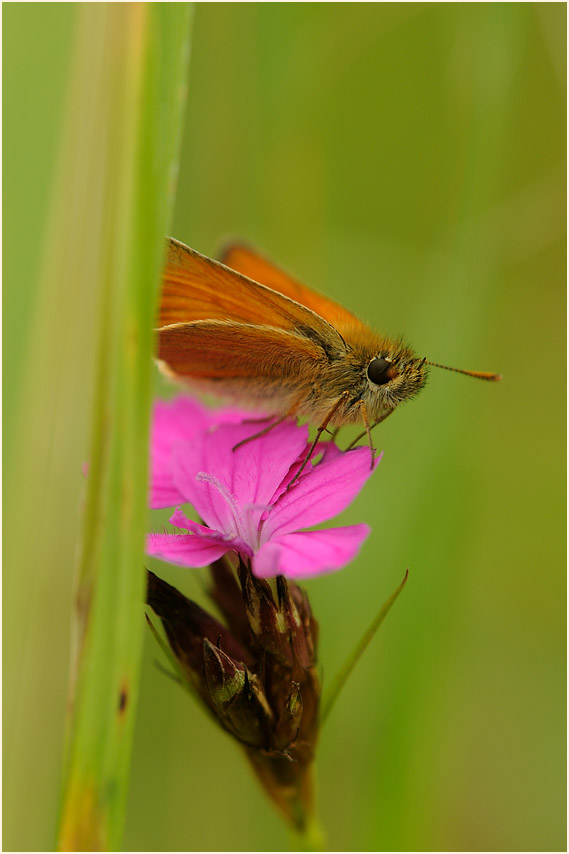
pixel 254 364
pixel 250 263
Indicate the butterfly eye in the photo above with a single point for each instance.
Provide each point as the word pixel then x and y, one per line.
pixel 380 371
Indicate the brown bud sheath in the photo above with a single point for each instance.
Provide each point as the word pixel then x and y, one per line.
pixel 288 724
pixel 237 697
pixel 226 593
pixel 265 618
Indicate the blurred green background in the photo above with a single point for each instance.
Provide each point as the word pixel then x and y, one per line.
pixel 408 160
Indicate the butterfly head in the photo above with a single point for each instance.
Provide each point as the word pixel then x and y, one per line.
pixel 395 374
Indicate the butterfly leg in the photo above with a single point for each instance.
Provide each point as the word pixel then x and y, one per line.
pixel 367 431
pixel 262 432
pixel 321 429
pixel 259 420
pixel 291 413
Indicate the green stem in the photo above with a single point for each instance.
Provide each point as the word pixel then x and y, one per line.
pixel 311 837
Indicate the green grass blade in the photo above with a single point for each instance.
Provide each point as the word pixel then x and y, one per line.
pixel 333 693
pixel 123 130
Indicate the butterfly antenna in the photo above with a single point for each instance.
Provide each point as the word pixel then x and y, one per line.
pixel 479 375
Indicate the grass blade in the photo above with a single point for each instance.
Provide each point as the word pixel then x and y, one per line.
pixel 122 139
pixel 332 695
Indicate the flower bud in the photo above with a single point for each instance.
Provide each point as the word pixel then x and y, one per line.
pixel 257 676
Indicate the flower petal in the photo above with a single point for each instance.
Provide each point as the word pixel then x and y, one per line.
pixel 191 549
pixel 176 421
pixel 309 553
pixel 328 489
pixel 221 480
pixel 180 520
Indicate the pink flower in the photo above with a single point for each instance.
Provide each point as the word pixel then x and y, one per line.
pixel 241 493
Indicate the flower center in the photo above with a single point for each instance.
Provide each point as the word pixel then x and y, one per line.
pixel 245 526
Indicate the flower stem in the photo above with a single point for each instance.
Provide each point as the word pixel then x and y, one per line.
pixel 332 695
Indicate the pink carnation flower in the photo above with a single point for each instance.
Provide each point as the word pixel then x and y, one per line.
pixel 241 495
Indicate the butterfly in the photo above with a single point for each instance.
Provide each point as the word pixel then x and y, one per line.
pixel 242 329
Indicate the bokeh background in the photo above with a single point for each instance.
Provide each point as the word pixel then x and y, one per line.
pixel 409 160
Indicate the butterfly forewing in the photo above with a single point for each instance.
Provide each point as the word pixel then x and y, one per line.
pixel 198 288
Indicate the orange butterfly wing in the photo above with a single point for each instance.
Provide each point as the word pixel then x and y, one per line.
pixel 217 325
pixel 253 265
pixel 198 288
pixel 219 350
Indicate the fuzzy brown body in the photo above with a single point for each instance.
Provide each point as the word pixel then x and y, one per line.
pixel 248 333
